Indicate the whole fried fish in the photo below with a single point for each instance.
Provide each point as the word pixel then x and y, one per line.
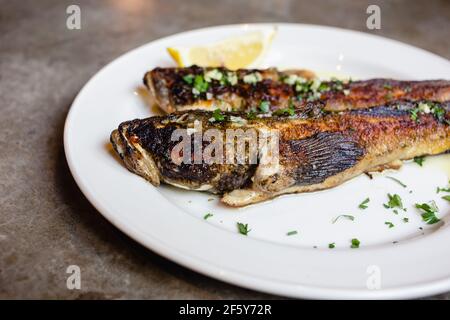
pixel 316 149
pixel 180 89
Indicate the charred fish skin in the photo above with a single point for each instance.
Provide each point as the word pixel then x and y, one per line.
pixel 174 88
pixel 315 153
pixel 245 90
pixel 373 92
pixel 145 147
pixel 151 138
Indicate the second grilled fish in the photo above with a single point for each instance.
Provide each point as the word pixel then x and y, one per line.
pixel 180 89
pixel 315 150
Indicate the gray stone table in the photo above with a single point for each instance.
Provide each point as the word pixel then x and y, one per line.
pixel 46 223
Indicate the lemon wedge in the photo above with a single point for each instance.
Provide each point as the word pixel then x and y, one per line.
pixel 245 51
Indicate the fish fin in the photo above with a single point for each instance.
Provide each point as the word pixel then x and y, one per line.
pixel 321 156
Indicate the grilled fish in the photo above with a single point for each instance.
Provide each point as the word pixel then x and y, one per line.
pixel 180 89
pixel 316 149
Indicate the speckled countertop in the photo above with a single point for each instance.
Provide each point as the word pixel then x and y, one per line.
pixel 46 224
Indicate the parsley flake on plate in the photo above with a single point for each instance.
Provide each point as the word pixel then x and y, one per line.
pixel 398 181
pixel 389 224
pixel 355 243
pixel 394 201
pixel 419 160
pixel 429 211
pixel 243 228
pixel 438 189
pixel 207 216
pixel 347 216
pixel 442 190
pixel 363 205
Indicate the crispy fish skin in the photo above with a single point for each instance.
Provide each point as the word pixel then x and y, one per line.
pixel 315 153
pixel 172 93
pixel 373 92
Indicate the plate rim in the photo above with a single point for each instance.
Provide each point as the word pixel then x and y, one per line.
pixel 235 277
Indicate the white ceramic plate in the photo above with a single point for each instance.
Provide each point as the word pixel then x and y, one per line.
pixel 399 262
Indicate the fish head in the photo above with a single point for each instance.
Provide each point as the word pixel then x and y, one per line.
pixel 135 158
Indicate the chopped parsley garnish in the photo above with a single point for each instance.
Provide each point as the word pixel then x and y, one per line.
pixel 189 78
pixel 200 85
pixel 419 160
pixel 387 86
pixel 347 216
pixel 286 111
pixel 243 228
pixel 323 87
pixel 438 189
pixel 355 243
pixel 208 215
pixel 395 211
pixel 414 114
pixel 251 115
pixel 438 112
pixel 264 106
pixel 336 84
pixel 390 224
pixel 311 90
pixel 217 115
pixel 442 190
pixel 429 107
pixel 398 181
pixel 429 212
pixel 331 245
pixel 303 86
pixel 363 205
pixel 405 220
pixel 419 109
pixel 446 198
pixel 291 233
pixel 394 202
